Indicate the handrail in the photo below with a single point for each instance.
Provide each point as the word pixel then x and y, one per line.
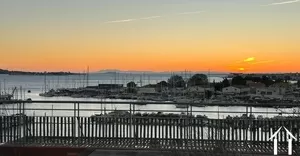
pixel 150 103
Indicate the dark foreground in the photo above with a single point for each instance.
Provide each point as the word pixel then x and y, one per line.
pixel 132 147
pixel 56 151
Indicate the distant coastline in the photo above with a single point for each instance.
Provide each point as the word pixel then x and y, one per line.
pixel 8 72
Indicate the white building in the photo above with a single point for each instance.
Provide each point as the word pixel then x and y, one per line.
pixel 268 91
pixel 236 90
pixel 198 90
pixel 283 87
pixel 254 86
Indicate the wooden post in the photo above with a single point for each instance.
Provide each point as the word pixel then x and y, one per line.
pixel 89 129
pixel 1 123
pixel 74 124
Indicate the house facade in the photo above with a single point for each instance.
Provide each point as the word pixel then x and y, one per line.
pixel 236 90
pixel 270 92
pixel 254 86
pixel 282 87
pixel 195 89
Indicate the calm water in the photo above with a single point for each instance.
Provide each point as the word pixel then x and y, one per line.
pixel 36 85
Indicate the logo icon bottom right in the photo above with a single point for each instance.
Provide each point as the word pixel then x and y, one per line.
pixel 290 140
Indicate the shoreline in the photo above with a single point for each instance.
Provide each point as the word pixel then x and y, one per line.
pixel 193 103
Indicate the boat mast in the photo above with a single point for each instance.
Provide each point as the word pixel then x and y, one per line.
pixel 4 86
pixel 57 85
pixel 45 81
pixel 84 79
pixel 115 78
pixel 24 94
pixel 87 76
pixel 141 81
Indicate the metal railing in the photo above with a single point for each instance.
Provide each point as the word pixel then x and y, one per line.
pixel 134 130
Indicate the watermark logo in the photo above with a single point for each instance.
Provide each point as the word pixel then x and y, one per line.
pixel 290 140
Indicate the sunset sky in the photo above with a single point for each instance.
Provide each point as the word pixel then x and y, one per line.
pixel 157 35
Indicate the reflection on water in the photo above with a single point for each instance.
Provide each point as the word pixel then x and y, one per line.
pixel 36 109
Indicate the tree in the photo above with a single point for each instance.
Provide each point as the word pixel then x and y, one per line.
pixel 279 80
pixel 218 86
pixel 248 77
pixel 225 83
pixel 198 80
pixel 176 81
pixel 252 78
pixel 149 86
pixel 287 78
pixel 238 80
pixel 161 85
pixel 208 94
pixel 267 81
pixel 131 87
pixel 131 84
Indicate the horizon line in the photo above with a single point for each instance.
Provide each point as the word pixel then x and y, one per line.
pixel 152 71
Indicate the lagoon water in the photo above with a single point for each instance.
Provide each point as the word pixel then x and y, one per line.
pixel 36 85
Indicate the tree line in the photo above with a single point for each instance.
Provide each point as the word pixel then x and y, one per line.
pixel 177 81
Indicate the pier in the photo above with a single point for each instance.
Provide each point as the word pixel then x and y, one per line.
pixel 165 133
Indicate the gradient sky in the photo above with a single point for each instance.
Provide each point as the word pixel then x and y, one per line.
pixel 158 35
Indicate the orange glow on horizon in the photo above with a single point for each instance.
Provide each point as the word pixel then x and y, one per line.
pixel 146 63
pixel 149 54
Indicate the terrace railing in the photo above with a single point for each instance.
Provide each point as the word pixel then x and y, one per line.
pixel 144 131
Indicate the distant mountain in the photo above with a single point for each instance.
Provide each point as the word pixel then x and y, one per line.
pixel 121 71
pixel 108 71
pixel 112 71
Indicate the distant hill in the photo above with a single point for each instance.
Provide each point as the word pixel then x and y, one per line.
pixel 113 71
pixel 120 71
pixel 8 72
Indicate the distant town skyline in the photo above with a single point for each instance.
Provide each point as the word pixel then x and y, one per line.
pixel 158 35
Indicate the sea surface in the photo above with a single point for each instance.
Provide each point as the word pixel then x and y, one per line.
pixel 37 84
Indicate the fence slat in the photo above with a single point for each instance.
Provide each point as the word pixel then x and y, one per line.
pixel 189 133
